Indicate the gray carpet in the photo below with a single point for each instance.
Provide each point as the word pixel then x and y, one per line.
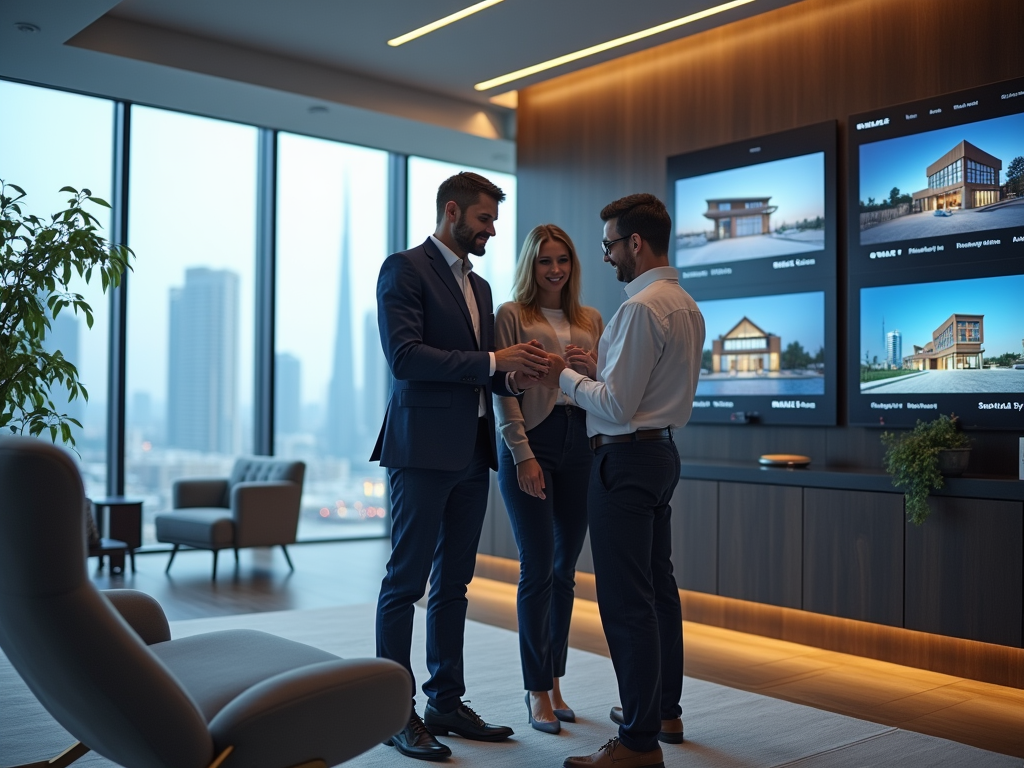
pixel 724 727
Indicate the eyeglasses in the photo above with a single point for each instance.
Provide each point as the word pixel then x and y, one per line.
pixel 607 244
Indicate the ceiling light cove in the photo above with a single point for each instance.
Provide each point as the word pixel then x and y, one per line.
pixel 519 74
pixel 435 25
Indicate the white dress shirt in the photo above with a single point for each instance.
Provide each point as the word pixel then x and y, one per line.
pixel 461 269
pixel 648 360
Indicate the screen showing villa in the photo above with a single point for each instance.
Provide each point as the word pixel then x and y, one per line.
pixel 768 210
pixel 766 357
pixel 754 239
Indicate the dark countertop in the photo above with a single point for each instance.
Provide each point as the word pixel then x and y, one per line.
pixel 845 478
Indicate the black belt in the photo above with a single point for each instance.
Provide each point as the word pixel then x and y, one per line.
pixel 641 434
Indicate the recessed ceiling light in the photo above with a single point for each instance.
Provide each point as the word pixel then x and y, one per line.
pixel 24 26
pixel 435 25
pixel 600 47
pixel 318 109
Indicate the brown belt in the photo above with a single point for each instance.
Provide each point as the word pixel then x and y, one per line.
pixel 641 434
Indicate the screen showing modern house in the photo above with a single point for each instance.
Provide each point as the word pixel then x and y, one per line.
pixel 936 260
pixel 754 226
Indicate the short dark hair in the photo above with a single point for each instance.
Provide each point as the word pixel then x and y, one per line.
pixel 643 214
pixel 465 189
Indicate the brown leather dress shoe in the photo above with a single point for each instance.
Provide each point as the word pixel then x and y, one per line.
pixel 671 730
pixel 616 755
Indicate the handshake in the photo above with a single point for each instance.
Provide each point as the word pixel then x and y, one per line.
pixel 541 367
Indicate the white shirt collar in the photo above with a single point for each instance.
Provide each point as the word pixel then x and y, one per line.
pixel 449 255
pixel 651 276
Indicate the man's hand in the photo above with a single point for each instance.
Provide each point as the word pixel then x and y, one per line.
pixel 581 360
pixel 531 477
pixel 555 367
pixel 529 358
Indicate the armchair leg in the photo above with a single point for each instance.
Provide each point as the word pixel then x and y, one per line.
pixel 286 557
pixel 215 553
pixel 168 568
pixel 236 558
pixel 64 759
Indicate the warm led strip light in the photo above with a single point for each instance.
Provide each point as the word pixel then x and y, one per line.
pixel 435 25
pixel 551 63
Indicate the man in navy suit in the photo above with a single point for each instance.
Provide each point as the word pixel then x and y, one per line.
pixel 437 329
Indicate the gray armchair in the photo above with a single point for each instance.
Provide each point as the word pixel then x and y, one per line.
pixel 105 666
pixel 258 506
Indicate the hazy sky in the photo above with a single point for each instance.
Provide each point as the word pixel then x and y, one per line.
pixel 917 310
pixel 792 316
pixel 903 162
pixel 796 185
pixel 33 156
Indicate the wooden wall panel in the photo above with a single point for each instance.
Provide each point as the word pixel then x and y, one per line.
pixel 760 543
pixel 964 570
pixel 853 555
pixel 591 136
pixel 695 535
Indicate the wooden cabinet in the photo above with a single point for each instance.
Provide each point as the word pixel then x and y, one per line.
pixel 964 573
pixel 853 555
pixel 760 543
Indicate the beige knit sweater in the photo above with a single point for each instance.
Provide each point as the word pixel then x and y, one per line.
pixel 517 415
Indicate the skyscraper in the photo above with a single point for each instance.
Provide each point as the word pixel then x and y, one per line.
pixel 340 431
pixel 287 394
pixel 894 350
pixel 202 371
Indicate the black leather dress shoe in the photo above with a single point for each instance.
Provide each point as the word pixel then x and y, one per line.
pixel 465 722
pixel 671 730
pixel 416 741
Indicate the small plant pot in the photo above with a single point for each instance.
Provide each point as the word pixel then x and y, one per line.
pixel 953 461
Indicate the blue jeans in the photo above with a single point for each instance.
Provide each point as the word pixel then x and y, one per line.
pixel 549 533
pixel 631 485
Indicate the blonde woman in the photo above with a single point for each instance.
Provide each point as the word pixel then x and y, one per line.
pixel 544 462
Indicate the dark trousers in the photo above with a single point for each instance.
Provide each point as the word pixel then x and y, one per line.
pixel 549 533
pixel 631 485
pixel 436 522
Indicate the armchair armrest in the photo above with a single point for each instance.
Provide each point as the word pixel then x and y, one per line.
pixel 266 512
pixel 142 613
pixel 204 492
pixel 367 700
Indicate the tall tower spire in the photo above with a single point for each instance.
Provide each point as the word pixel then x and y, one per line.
pixel 341 428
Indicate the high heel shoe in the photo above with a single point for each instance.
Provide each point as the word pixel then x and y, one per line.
pixel 553 727
pixel 565 715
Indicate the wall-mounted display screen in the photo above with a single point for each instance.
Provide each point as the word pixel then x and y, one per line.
pixel 936 260
pixel 755 243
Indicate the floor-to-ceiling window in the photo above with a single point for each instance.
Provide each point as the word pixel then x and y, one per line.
pixel 331 379
pixel 498 264
pixel 49 140
pixel 191 315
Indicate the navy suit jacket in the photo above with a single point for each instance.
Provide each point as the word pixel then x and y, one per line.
pixel 439 370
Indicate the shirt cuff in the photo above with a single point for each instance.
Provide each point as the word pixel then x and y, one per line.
pixel 510 383
pixel 568 380
pixel 490 356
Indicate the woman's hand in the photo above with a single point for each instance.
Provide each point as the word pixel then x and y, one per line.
pixel 531 477
pixel 581 360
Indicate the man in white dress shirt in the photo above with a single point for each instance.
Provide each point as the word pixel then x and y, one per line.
pixel 643 387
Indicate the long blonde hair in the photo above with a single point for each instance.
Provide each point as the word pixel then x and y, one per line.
pixel 524 288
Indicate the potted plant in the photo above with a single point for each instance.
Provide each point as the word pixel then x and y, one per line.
pixel 918 460
pixel 38 260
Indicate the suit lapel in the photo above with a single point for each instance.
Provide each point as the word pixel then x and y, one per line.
pixel 444 272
